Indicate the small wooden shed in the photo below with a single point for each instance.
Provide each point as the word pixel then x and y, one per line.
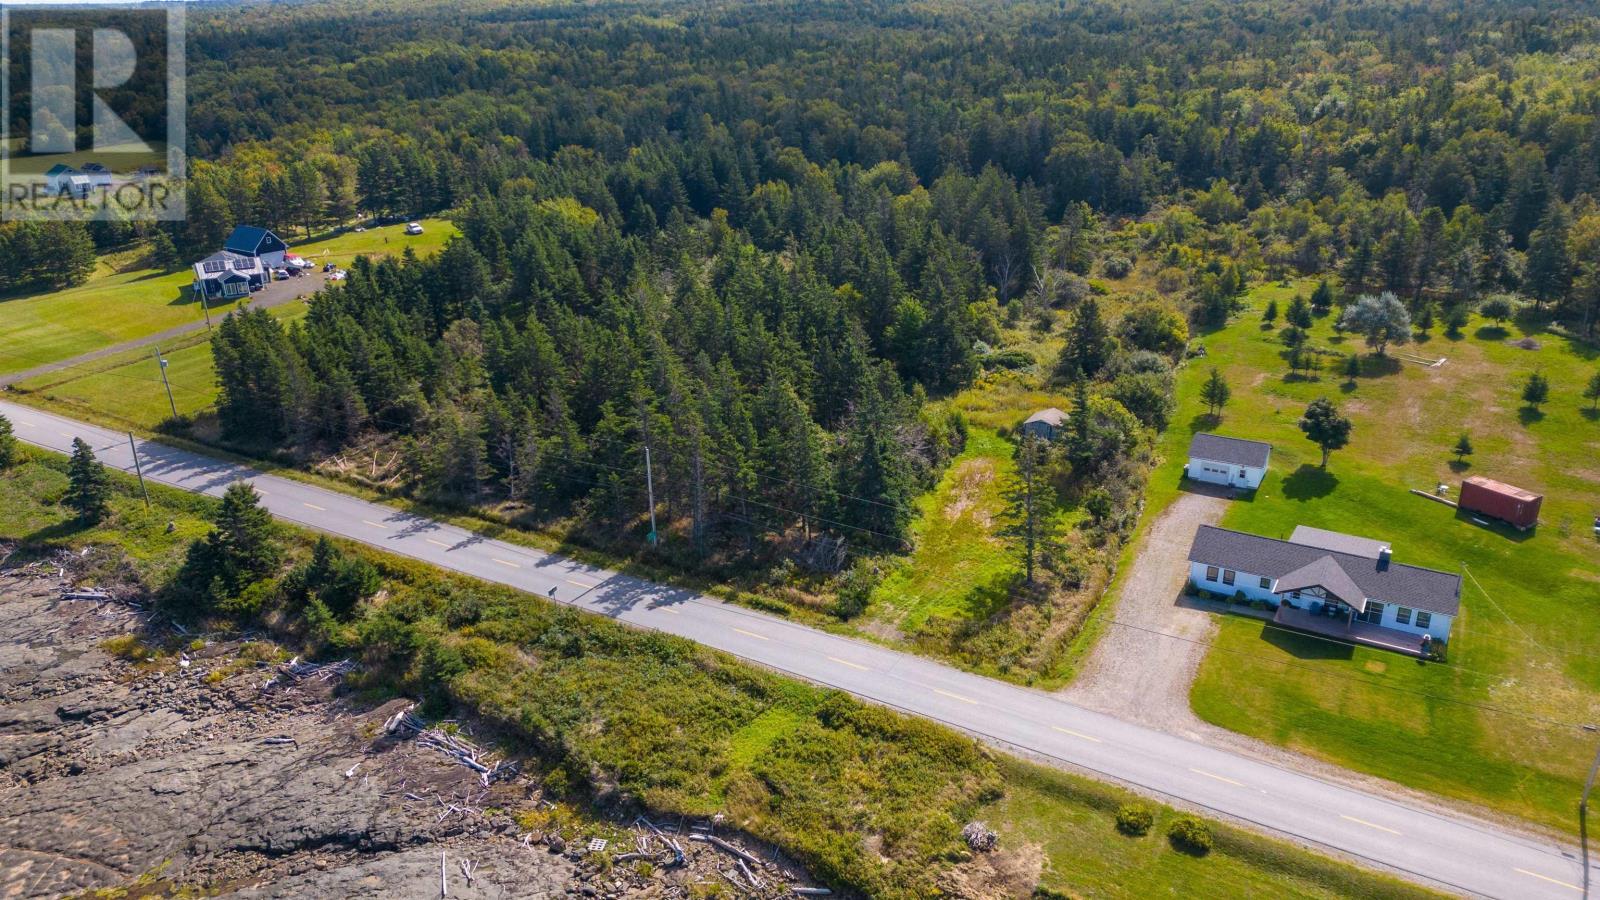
pixel 1502 501
pixel 1045 424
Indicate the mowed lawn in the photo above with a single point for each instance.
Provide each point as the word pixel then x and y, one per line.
pixel 1498 724
pixel 115 306
pixel 126 389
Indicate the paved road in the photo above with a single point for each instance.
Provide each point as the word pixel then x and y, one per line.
pixel 1468 856
pixel 276 293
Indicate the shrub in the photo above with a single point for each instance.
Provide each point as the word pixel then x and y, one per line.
pixel 1117 266
pixel 1008 359
pixel 854 590
pixel 1135 819
pixel 1190 835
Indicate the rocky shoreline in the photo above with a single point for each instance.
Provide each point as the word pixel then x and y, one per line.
pixel 204 768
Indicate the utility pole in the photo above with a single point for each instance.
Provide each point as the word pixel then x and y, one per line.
pixel 164 383
pixel 205 307
pixel 139 470
pixel 1583 812
pixel 650 486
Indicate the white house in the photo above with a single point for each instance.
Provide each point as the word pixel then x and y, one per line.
pixel 59 178
pixel 1330 583
pixel 229 276
pixel 1232 461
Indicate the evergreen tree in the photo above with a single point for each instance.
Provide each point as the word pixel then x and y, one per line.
pixel 1549 269
pixel 1030 504
pixel 1324 426
pixel 1216 392
pixel 1463 448
pixel 240 550
pixel 1270 315
pixel 163 253
pixel 1592 391
pixel 1299 314
pixel 10 453
pixel 1536 390
pixel 88 486
pixel 1088 347
pixel 1322 299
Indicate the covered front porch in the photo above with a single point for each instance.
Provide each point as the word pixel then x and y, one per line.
pixel 1342 626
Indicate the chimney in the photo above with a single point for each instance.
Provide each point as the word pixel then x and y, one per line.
pixel 1383 559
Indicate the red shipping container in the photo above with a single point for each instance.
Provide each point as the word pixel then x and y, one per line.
pixel 1502 501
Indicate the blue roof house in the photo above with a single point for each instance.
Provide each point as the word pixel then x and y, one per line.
pixel 248 240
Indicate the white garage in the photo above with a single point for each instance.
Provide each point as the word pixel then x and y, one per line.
pixel 1231 461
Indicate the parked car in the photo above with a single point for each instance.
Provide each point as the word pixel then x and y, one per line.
pixel 336 275
pixel 280 274
pixel 413 228
pixel 328 267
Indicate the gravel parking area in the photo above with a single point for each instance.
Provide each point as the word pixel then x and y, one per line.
pixel 1142 668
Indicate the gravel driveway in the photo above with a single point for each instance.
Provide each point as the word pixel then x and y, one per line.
pixel 1143 674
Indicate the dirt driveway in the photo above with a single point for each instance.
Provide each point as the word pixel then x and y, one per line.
pixel 1143 673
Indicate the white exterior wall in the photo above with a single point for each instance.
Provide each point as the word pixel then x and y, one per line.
pixel 1242 581
pixel 1439 627
pixel 1251 585
pixel 1224 473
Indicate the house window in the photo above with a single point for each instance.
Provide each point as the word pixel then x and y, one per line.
pixel 1424 619
pixel 1402 615
pixel 1266 584
pixel 1211 573
pixel 1227 576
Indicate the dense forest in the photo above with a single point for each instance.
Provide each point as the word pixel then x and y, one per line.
pixel 757 238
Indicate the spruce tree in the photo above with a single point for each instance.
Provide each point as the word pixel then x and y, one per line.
pixel 9 452
pixel 1216 392
pixel 88 488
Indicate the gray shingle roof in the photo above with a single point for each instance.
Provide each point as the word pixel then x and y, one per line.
pixel 1336 540
pixel 1050 416
pixel 1233 451
pixel 1324 572
pixel 1413 586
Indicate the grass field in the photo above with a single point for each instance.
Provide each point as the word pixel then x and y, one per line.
pixel 125 389
pixel 121 302
pixel 873 795
pixel 1499 724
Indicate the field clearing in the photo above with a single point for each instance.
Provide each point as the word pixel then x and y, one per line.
pixel 125 390
pixel 121 303
pixel 1499 724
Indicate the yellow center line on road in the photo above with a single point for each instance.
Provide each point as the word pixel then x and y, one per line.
pixel 1076 734
pixel 314 506
pixel 759 637
pixel 1370 825
pixel 955 696
pixel 665 609
pixel 505 562
pixel 1551 880
pixel 846 662
pixel 1220 778
pixel 437 543
pixel 65 434
pixel 375 524
pixel 583 584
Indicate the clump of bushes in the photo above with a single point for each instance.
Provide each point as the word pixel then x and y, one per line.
pixel 1117 266
pixel 1190 835
pixel 1135 819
